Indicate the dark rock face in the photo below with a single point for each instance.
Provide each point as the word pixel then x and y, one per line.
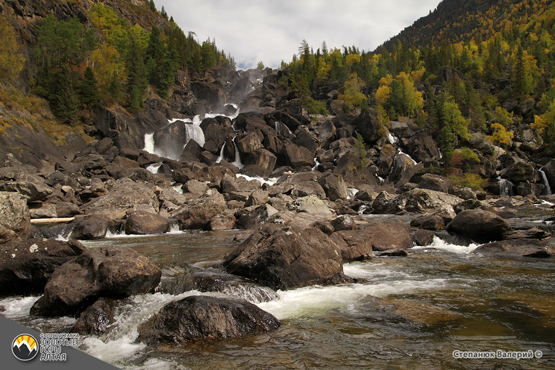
pixel 285 258
pixel 481 226
pixel 26 266
pixel 113 272
pixel 96 318
pixel 518 247
pixel 203 317
pixel 142 223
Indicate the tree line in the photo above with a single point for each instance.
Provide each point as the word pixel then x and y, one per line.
pixel 113 62
pixel 490 74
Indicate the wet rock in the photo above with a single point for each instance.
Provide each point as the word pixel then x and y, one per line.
pixel 203 317
pixel 14 217
pixel 481 226
pixel 423 237
pixel 94 227
pixel 112 272
pixel 284 258
pixel 198 212
pixel 518 247
pixel 97 318
pixel 393 253
pixel 26 266
pixel 532 233
pixel 143 223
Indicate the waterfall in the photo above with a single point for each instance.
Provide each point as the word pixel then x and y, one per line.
pixel 279 128
pixel 221 156
pixel 316 165
pixel 392 139
pixel 237 163
pixel 194 132
pixel 505 187
pixel 545 182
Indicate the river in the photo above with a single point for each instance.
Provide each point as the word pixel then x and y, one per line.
pixel 412 312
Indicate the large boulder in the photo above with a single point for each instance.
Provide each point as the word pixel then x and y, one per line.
pixel 518 247
pixel 14 217
pixel 198 212
pixel 354 244
pixel 94 227
pixel 112 272
pixel 299 156
pixel 97 318
pixel 384 235
pixel 335 187
pixel 480 226
pixel 204 317
pixel 142 223
pixel 26 266
pixel 286 258
pixel 126 195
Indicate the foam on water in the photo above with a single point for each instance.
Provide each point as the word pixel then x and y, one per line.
pixel 16 307
pixel 438 243
pixel 316 300
pixel 262 181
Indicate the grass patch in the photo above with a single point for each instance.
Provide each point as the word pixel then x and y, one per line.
pixel 33 112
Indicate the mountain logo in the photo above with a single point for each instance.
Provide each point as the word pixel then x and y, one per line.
pixel 25 347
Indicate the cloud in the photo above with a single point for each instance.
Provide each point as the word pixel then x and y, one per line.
pixel 271 31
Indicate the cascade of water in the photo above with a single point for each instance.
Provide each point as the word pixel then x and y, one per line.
pixel 505 187
pixel 316 165
pixel 408 156
pixel 194 132
pixel 221 156
pixel 280 126
pixel 237 162
pixel 545 181
pixel 392 139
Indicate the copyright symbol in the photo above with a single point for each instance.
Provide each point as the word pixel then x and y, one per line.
pixel 538 354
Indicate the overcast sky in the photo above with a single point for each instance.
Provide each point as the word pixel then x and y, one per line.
pixel 272 30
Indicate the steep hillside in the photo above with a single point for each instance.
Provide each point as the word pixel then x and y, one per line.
pixel 85 68
pixel 461 20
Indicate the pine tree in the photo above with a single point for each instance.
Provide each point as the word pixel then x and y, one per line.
pixel 89 89
pixel 63 98
pixel 136 76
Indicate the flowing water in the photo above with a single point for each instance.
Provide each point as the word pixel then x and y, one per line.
pixel 411 312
